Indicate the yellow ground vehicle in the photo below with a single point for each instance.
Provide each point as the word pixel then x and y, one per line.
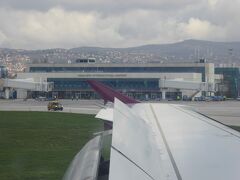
pixel 55 106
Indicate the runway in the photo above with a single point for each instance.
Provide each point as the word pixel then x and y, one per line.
pixel 227 112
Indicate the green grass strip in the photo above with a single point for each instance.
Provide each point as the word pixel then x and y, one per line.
pixel 41 145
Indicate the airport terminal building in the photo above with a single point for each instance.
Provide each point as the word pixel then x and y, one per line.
pixel 141 81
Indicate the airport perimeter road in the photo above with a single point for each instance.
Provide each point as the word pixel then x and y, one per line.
pixel 227 112
pixel 80 106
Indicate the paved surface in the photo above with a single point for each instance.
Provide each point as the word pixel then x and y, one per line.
pixel 227 112
pixel 80 106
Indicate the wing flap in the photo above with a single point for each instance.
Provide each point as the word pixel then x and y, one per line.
pixel 105 114
pixel 135 140
pixel 170 142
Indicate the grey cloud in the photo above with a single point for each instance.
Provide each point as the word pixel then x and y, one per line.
pixel 96 5
pixel 71 23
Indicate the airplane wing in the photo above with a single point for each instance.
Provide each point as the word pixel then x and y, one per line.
pixel 155 141
pixel 163 141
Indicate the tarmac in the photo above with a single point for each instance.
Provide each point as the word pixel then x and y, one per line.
pixel 226 112
pixel 75 106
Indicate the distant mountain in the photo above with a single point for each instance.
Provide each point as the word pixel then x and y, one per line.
pixel 185 51
pixel 188 50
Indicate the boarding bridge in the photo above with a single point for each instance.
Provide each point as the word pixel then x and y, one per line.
pixel 26 84
pixel 185 85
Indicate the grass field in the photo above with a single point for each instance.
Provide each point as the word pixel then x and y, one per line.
pixel 41 145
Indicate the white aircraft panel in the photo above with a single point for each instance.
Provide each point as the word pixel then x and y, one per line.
pixel 134 138
pixel 123 169
pixel 105 114
pixel 171 142
pixel 201 148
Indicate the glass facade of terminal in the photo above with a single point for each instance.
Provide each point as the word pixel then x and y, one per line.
pixel 79 88
pixel 76 88
pixel 136 69
pixel 71 84
pixel 231 79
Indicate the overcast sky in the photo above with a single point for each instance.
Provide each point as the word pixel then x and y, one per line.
pixel 40 24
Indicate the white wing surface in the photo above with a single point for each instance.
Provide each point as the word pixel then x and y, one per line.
pixel 165 142
pixel 105 114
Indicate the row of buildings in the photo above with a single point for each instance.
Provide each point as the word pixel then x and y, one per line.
pixel 141 81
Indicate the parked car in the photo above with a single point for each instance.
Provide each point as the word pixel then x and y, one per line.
pixel 55 106
pixel 201 98
pixel 217 98
pixel 41 98
pixel 208 98
pixel 186 98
